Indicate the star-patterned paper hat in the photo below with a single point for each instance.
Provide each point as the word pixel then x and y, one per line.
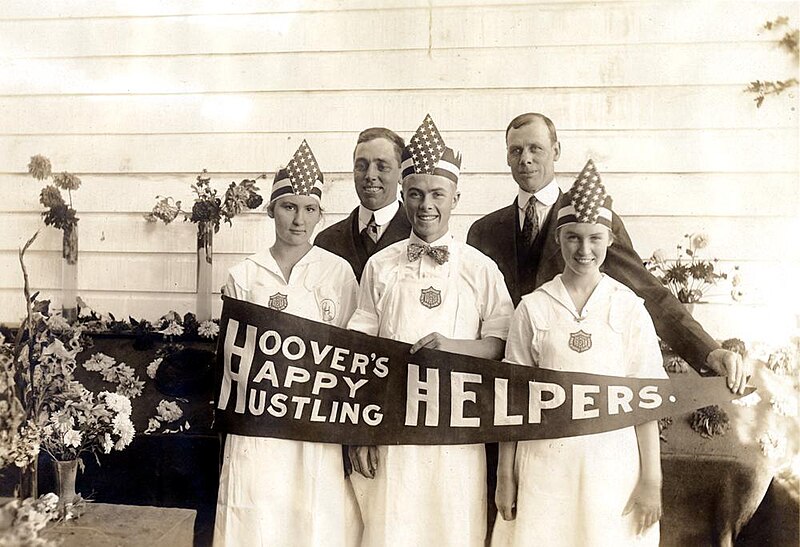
pixel 301 176
pixel 589 201
pixel 426 154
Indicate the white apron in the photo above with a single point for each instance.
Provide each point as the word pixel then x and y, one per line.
pixel 278 492
pixel 426 495
pixel 572 490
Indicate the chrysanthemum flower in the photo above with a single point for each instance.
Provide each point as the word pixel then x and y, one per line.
pixel 67 181
pixel 40 167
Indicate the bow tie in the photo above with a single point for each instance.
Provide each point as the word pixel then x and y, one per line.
pixel 439 253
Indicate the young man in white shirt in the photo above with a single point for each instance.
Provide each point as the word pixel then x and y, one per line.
pixel 431 291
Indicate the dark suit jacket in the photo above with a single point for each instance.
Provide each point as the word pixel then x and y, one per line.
pixel 344 239
pixel 494 235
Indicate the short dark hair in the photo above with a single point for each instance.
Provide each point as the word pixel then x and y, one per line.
pixel 527 118
pixel 382 133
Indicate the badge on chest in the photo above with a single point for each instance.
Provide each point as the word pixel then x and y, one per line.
pixel 278 301
pixel 580 341
pixel 430 297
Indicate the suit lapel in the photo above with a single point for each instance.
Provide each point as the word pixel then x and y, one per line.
pixel 550 262
pixel 354 241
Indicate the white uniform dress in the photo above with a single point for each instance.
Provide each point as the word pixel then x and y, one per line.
pixel 429 495
pixel 281 492
pixel 572 491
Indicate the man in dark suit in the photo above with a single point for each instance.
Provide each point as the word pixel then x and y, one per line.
pixel 379 220
pixel 521 240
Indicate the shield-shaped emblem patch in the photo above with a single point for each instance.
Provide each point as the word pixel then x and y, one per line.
pixel 278 301
pixel 580 341
pixel 430 297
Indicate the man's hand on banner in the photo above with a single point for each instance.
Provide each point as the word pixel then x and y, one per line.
pixel 729 364
pixel 486 348
pixel 364 460
pixel 505 496
pixel 645 504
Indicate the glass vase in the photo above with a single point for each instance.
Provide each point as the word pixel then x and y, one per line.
pixel 69 274
pixel 66 473
pixel 28 481
pixel 205 259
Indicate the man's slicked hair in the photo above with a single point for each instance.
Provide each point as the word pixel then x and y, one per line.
pixel 382 133
pixel 528 118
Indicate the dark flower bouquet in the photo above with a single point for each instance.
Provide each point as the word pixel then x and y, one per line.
pixel 689 277
pixel 209 209
pixel 60 213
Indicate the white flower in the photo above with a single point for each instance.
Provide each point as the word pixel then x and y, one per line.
pixel 173 329
pixel 773 444
pixel 152 426
pixel 57 323
pixel 62 421
pixel 99 362
pixel 208 329
pixel 57 350
pixel 107 443
pixel 152 368
pixel 736 280
pixel 659 256
pixel 700 240
pixel 73 438
pixel 169 411
pixel 124 428
pixel 118 403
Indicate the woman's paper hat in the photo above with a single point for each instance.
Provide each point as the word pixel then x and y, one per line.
pixel 301 176
pixel 589 200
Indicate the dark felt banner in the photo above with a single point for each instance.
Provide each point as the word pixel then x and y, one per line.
pixel 283 376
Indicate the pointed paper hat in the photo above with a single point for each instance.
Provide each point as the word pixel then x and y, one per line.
pixel 426 154
pixel 301 176
pixel 589 200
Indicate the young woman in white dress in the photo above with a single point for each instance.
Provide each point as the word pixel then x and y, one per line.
pixel 280 492
pixel 593 490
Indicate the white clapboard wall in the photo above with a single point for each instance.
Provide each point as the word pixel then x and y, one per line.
pixel 137 97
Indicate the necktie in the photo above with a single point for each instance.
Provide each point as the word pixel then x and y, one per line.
pixel 530 227
pixel 439 253
pixel 369 235
pixel 372 229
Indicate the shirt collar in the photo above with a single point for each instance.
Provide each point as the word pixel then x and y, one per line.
pixel 547 195
pixel 383 216
pixel 267 261
pixel 558 291
pixel 446 239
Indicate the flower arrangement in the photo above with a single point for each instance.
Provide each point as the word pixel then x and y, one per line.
pixel 689 277
pixel 42 405
pixel 208 211
pixel 79 423
pixel 60 214
pixel 171 325
pixel 208 208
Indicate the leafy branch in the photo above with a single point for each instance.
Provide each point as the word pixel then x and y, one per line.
pixel 789 42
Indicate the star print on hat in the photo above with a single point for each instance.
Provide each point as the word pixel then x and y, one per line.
pixel 427 154
pixel 589 200
pixel 302 176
